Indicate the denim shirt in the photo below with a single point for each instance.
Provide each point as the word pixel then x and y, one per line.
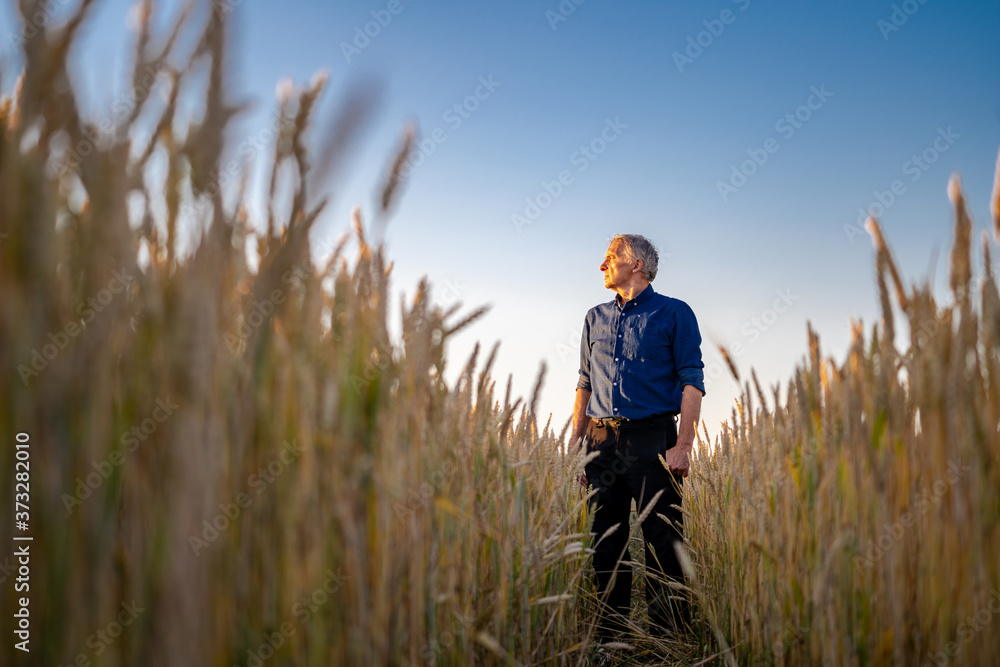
pixel 636 358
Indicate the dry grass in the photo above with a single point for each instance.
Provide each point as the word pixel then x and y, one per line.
pixel 858 522
pixel 315 477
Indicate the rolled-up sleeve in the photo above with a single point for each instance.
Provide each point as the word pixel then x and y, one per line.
pixel 584 382
pixel 687 350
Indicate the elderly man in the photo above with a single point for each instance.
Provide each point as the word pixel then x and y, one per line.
pixel 640 366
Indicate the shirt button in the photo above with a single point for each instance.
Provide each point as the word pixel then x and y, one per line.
pixel 616 409
pixel 614 384
pixel 616 358
pixel 619 335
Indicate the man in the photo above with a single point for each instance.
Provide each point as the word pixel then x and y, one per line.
pixel 640 366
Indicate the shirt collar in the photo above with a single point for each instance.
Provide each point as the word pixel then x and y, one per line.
pixel 637 300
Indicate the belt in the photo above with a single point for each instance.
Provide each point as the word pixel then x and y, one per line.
pixel 616 422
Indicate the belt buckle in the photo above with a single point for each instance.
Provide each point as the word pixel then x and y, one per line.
pixel 616 421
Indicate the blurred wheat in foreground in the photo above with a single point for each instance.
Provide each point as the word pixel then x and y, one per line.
pixel 234 466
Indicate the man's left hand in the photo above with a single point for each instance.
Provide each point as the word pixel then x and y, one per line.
pixel 676 460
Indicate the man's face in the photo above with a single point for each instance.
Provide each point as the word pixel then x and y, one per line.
pixel 617 270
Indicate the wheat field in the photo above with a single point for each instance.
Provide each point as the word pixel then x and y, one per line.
pixel 856 520
pixel 236 460
pixel 234 465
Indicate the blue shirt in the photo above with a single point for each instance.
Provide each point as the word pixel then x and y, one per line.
pixel 636 358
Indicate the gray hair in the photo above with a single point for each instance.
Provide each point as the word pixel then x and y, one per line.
pixel 635 247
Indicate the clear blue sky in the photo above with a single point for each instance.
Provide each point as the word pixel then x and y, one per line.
pixel 682 114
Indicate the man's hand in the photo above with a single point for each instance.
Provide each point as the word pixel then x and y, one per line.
pixel 676 460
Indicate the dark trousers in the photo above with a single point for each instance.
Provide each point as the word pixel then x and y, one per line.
pixel 627 469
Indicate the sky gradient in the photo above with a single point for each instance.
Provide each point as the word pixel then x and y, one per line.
pixel 745 138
